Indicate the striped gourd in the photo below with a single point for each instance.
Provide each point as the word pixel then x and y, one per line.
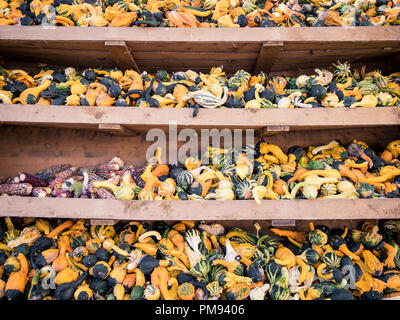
pixel 238 79
pixel 208 100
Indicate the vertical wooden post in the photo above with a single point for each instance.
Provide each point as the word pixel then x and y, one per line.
pixel 267 55
pixel 117 129
pixel 122 55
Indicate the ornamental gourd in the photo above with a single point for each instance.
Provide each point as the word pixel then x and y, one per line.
pixel 66 275
pixel 186 291
pixel 372 263
pixel 318 237
pixel 100 270
pixel 331 259
pixel 184 179
pixel 16 282
pixel 151 292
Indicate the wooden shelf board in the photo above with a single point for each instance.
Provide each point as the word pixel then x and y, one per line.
pixel 199 49
pixel 144 119
pixel 338 209
pixel 323 34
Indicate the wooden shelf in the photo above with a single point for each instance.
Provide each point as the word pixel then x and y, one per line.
pixel 290 51
pixel 338 209
pixel 111 119
pixel 278 50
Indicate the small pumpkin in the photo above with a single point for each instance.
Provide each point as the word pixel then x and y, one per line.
pixel 318 237
pixel 93 245
pixel 100 270
pixel 184 179
pixel 83 292
pixel 186 291
pixel 89 261
pixel 331 259
pixel 151 292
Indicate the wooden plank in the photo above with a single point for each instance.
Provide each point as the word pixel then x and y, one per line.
pixel 170 55
pixel 117 129
pixel 177 49
pixel 218 118
pixel 122 54
pixel 341 209
pixel 369 34
pixel 269 52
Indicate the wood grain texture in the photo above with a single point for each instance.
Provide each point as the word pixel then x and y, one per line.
pixel 200 210
pixel 199 49
pixel 122 55
pixel 269 53
pixel 322 34
pixel 89 117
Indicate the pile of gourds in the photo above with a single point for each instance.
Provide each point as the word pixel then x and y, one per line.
pixel 199 13
pixel 65 260
pixel 343 87
pixel 257 172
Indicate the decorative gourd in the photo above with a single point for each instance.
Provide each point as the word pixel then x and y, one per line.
pixel 151 292
pixel 12 264
pixel 328 189
pixel 331 259
pixel 16 282
pixel 89 261
pixel 102 255
pixel 372 263
pixel 100 270
pixel 99 286
pixel 184 179
pixel 65 291
pixel 46 257
pixel 285 257
pixel 366 190
pixel 338 243
pixel 186 291
pixel 167 187
pixel 138 290
pixel 278 292
pixel 116 276
pixel 83 292
pixel 318 237
pixel 119 291
pixel 310 256
pixel 92 245
pixel 66 275
pixel 242 188
pixel 371 239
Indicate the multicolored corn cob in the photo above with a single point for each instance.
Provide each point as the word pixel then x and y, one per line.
pixel 109 169
pixel 105 194
pixel 62 176
pixel 16 189
pixel 41 192
pixel 28 178
pixel 51 172
pixel 136 173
